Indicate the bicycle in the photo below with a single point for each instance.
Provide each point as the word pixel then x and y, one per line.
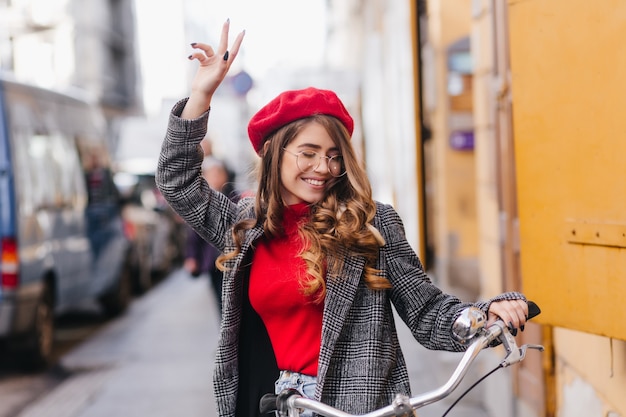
pixel 469 328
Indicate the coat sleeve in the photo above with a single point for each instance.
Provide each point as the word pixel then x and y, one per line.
pixel 426 309
pixel 179 179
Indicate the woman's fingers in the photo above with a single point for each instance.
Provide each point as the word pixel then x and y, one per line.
pixel 199 56
pixel 223 46
pixel 214 64
pixel 234 50
pixel 202 49
pixel 229 55
pixel 511 312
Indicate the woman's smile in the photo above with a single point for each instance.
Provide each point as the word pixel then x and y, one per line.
pixel 315 182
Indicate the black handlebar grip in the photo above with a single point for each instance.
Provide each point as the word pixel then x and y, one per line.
pixel 533 310
pixel 267 403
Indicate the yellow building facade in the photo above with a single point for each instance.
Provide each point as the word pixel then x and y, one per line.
pixel 567 79
pixel 548 93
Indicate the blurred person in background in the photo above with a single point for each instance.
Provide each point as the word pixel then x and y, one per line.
pixel 104 200
pixel 200 256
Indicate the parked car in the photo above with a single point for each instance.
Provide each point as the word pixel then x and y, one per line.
pixel 61 232
pixel 156 232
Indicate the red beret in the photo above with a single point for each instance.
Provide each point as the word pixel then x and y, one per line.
pixel 293 105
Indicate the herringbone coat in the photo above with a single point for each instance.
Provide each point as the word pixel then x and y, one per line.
pixel 361 366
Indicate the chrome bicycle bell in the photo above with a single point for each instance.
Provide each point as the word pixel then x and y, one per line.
pixel 471 321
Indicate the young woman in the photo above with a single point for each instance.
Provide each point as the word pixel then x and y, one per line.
pixel 312 264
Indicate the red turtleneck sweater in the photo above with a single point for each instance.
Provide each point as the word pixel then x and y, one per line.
pixel 293 321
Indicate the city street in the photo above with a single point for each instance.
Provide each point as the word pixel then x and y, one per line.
pixel 157 360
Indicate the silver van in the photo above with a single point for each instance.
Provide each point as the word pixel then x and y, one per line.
pixel 61 234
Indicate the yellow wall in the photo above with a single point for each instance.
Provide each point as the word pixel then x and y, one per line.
pixel 569 89
pixel 569 98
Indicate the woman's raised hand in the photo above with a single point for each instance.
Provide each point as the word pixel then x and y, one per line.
pixel 212 70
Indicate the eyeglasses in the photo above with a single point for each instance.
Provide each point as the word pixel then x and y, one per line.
pixel 308 161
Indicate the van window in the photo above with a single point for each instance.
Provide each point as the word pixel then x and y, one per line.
pixel 68 174
pixel 23 175
pixel 43 170
pixel 49 172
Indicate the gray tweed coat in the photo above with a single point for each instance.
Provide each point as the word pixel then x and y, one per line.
pixel 361 366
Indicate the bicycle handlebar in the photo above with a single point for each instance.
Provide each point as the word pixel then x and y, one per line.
pixel 289 401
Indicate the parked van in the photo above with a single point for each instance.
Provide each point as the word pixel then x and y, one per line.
pixel 61 234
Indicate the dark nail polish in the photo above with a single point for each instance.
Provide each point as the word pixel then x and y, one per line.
pixel 226 56
pixel 193 44
pixel 522 327
pixel 190 57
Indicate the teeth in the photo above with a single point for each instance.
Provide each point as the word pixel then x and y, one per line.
pixel 314 182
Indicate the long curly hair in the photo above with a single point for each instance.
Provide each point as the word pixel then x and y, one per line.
pixel 339 223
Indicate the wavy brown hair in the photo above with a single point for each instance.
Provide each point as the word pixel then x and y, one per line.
pixel 339 224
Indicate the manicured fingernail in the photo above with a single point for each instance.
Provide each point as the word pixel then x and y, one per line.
pixel 226 56
pixel 190 57
pixel 193 44
pixel 522 327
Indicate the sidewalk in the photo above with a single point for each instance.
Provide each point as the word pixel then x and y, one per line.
pixel 157 361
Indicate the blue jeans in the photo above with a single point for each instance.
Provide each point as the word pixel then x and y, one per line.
pixel 305 384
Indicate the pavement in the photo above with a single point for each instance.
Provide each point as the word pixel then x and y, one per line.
pixel 157 361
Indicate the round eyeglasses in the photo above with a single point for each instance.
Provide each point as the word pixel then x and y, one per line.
pixel 308 161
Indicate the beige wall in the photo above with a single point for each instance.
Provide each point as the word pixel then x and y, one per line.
pixel 373 41
pixel 591 374
pixel 452 192
pixel 486 183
